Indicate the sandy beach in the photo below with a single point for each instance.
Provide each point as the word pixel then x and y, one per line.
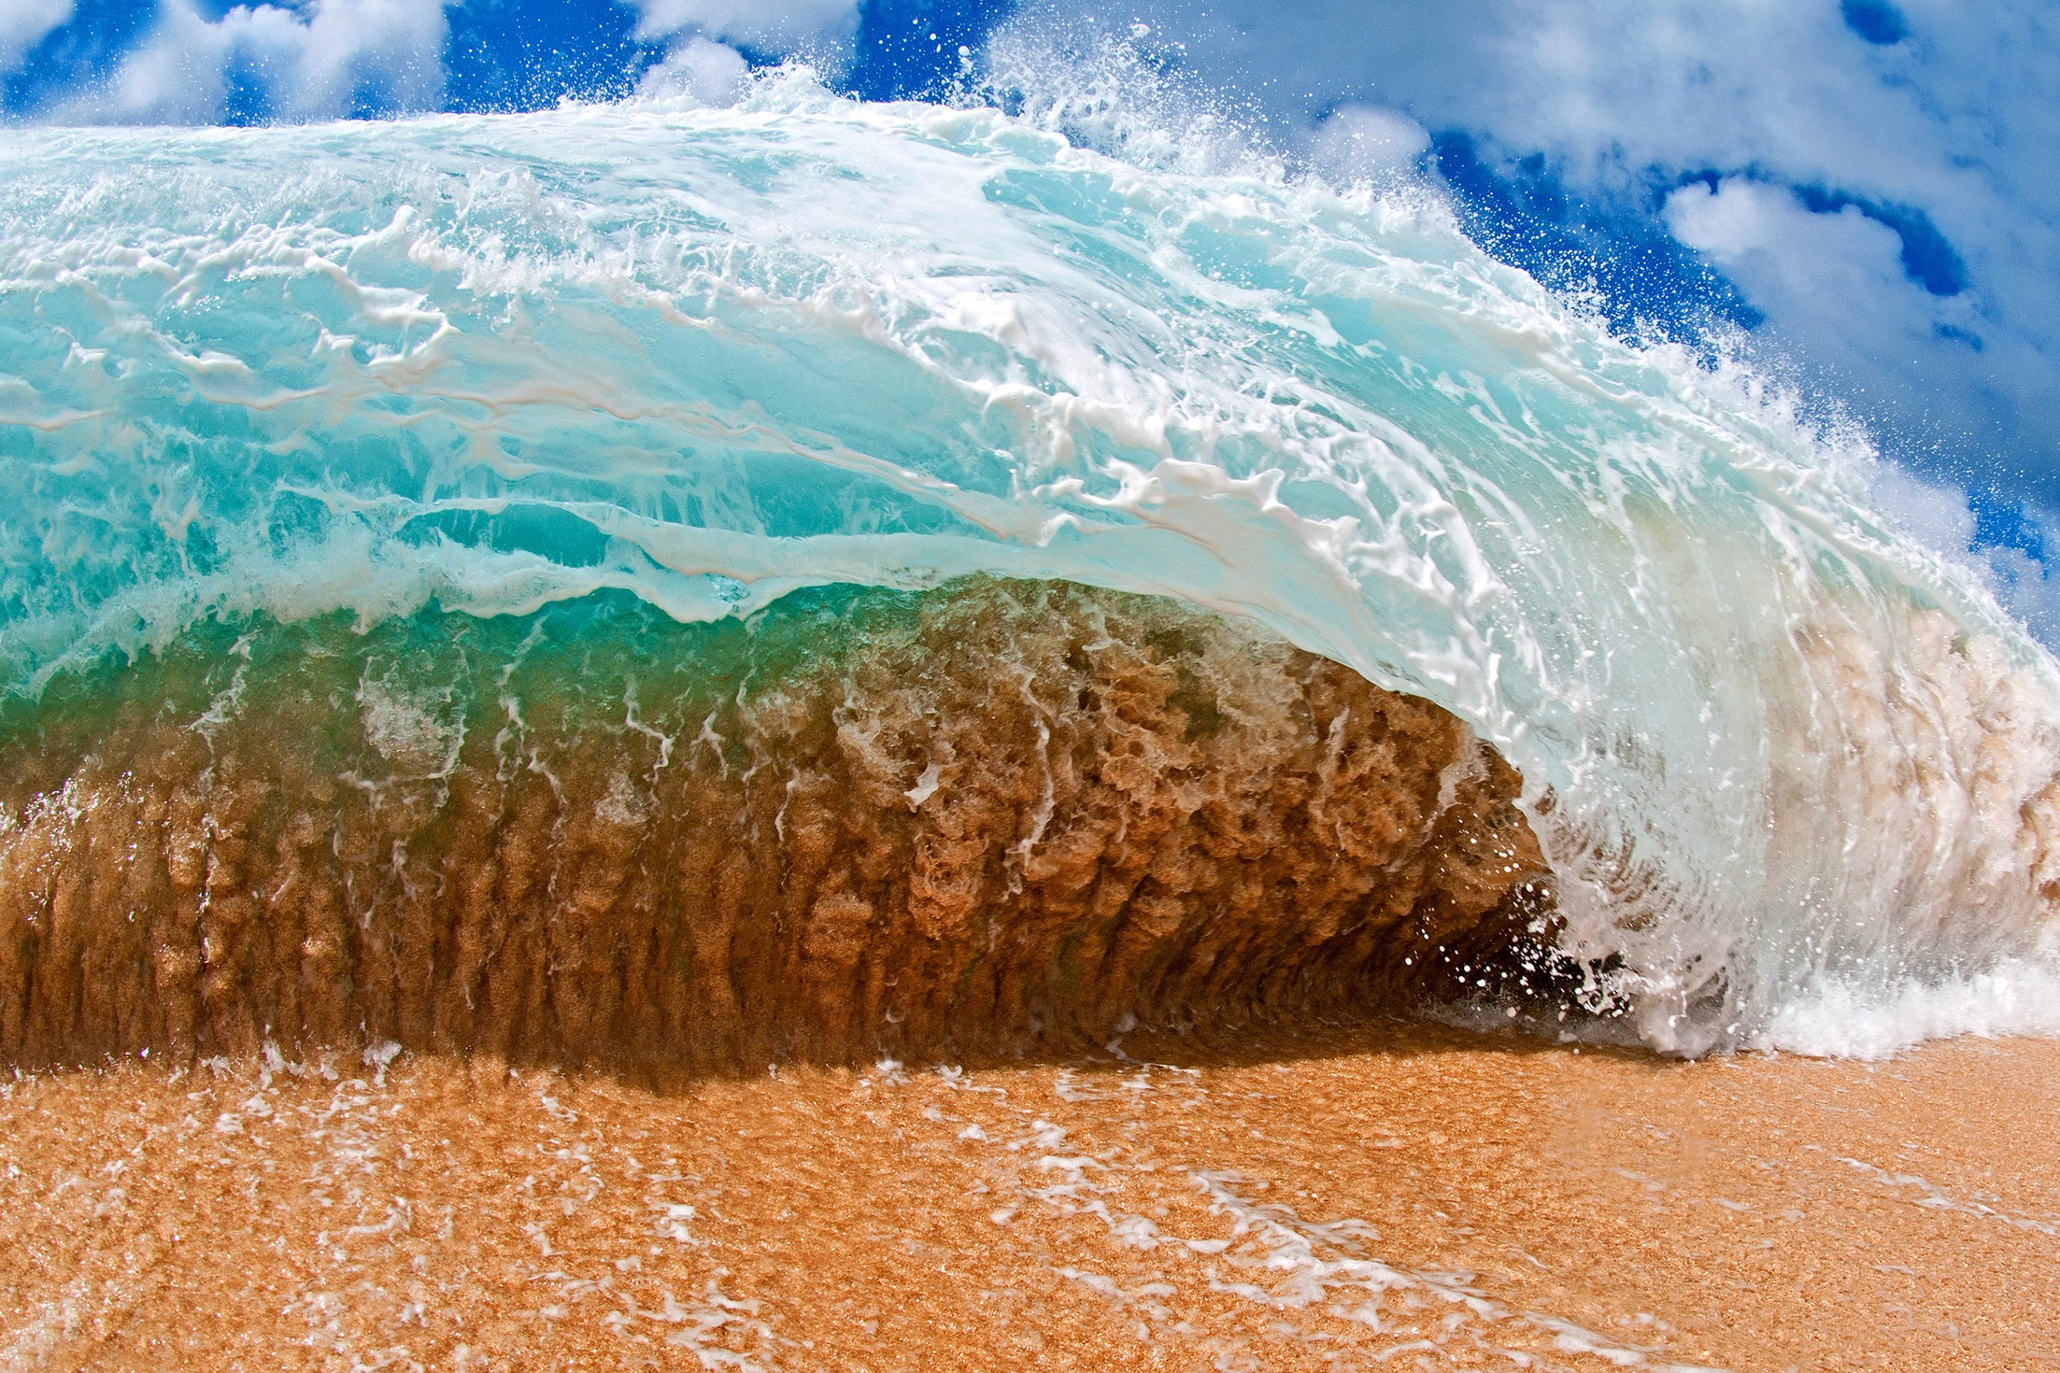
pixel 1385 1197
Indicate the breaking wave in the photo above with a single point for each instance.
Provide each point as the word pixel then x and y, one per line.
pixel 450 377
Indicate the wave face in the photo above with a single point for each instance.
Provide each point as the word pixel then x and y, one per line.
pixel 1774 752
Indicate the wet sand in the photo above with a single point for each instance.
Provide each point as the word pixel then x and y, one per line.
pixel 1375 1198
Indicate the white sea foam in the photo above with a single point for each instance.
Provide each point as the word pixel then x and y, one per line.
pixel 1772 744
pixel 1837 1018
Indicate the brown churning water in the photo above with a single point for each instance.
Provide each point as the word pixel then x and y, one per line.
pixel 992 818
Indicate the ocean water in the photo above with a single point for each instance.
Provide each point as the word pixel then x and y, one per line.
pixel 1796 777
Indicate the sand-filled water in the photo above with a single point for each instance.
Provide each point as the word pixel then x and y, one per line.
pixel 1389 1197
pixel 996 815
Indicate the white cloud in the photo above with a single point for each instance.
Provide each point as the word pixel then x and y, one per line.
pixel 709 72
pixel 1933 514
pixel 23 24
pixel 178 76
pixel 1939 516
pixel 2027 587
pixel 398 43
pixel 1365 143
pixel 779 29
pixel 312 61
pixel 1833 288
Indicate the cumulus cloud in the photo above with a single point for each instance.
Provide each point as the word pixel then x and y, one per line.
pixel 321 59
pixel 1940 515
pixel 1934 514
pixel 1836 288
pixel 702 39
pixel 1365 143
pixel 23 23
pixel 775 29
pixel 710 72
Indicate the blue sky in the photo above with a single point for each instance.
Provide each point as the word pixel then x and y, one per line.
pixel 1864 193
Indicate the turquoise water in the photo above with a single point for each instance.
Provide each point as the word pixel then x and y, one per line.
pixel 1798 776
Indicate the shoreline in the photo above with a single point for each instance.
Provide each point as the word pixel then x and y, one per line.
pixel 1392 1195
